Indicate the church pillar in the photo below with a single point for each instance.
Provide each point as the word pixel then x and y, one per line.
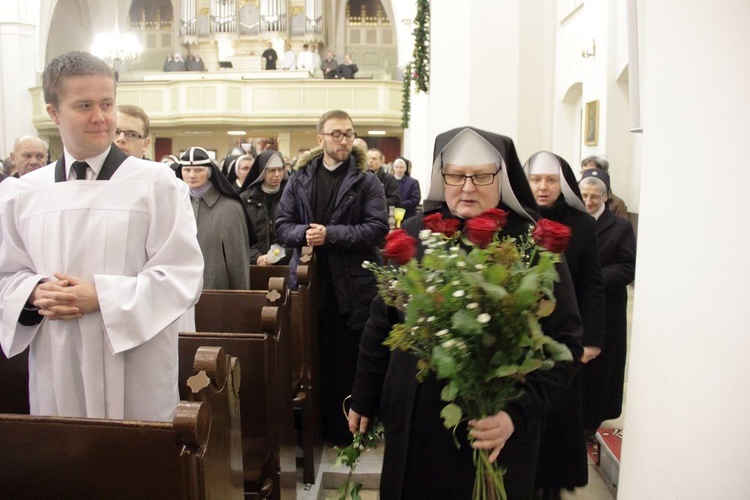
pixel 474 74
pixel 687 403
pixel 18 56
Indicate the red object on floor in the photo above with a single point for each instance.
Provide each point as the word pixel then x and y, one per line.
pixel 613 439
pixel 592 446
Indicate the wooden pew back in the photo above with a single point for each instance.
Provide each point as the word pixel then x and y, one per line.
pixel 58 457
pixel 305 356
pixel 266 391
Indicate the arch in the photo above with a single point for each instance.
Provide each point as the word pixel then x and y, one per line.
pixel 573 93
pixel 150 8
pixel 623 76
pixel 70 28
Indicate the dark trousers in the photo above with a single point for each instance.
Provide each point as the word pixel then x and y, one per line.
pixel 339 349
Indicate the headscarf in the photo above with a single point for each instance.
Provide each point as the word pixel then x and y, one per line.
pixel 406 162
pixel 270 158
pixel 597 173
pixel 198 157
pixel 545 162
pixel 472 146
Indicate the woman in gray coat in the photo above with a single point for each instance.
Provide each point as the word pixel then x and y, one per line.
pixel 223 230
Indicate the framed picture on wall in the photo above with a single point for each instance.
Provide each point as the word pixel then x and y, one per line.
pixel 592 123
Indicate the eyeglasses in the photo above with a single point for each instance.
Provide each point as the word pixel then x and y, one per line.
pixel 337 135
pixel 130 135
pixel 477 179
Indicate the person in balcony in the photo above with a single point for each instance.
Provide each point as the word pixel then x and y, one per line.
pixel 347 69
pixel 329 66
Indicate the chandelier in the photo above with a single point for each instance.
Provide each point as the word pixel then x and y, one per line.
pixel 116 46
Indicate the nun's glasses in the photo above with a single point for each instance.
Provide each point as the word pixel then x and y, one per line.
pixel 477 179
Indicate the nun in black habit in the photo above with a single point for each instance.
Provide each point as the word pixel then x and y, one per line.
pixel 421 459
pixel 562 455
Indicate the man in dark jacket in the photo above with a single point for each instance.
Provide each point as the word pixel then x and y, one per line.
pixel 334 204
pixel 375 160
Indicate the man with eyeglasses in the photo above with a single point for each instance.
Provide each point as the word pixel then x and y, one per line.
pixel 29 153
pixel 335 205
pixel 132 133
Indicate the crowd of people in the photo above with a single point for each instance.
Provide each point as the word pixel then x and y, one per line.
pixel 115 267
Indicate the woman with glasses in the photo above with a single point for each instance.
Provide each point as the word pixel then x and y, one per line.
pixel 473 171
pixel 562 456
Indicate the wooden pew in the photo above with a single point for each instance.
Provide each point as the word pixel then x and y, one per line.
pixel 189 458
pixel 259 336
pixel 305 356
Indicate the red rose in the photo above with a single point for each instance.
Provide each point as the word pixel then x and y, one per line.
pixel 500 216
pixel 552 235
pixel 481 229
pixel 450 226
pixel 433 222
pixel 399 246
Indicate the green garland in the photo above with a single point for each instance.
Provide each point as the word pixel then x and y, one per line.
pixel 422 46
pixel 418 70
pixel 406 97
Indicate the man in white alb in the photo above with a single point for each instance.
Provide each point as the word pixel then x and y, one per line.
pixel 100 262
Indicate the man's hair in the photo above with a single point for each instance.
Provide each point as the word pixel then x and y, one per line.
pixel 592 159
pixel 593 181
pixel 74 63
pixel 379 152
pixel 304 45
pixel 604 162
pixel 34 138
pixel 334 114
pixel 136 112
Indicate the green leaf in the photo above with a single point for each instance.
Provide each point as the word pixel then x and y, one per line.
pixel 451 415
pixel 496 274
pixel 506 370
pixel 559 352
pixel 496 292
pixel 529 365
pixel 445 364
pixel 546 307
pixel 465 321
pixel 450 391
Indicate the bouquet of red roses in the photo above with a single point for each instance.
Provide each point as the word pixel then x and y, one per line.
pixel 472 309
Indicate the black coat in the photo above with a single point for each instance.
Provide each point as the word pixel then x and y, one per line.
pixel 562 455
pixel 421 460
pixel 263 219
pixel 391 187
pixel 359 223
pixel 603 377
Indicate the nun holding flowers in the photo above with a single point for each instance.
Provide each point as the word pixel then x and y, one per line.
pixel 473 171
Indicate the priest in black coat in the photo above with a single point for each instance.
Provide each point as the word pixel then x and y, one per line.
pixel 562 456
pixel 604 377
pixel 421 458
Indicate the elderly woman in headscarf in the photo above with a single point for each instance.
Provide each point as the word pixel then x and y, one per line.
pixel 408 186
pixel 603 377
pixel 473 171
pixel 223 231
pixel 562 455
pixel 261 199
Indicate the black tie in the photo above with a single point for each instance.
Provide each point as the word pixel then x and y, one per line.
pixel 80 168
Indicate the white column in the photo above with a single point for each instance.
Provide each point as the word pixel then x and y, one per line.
pixel 686 422
pixel 18 73
pixel 475 66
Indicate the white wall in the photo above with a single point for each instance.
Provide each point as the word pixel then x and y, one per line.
pixel 687 399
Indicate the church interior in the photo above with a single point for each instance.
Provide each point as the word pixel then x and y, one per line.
pixel 656 88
